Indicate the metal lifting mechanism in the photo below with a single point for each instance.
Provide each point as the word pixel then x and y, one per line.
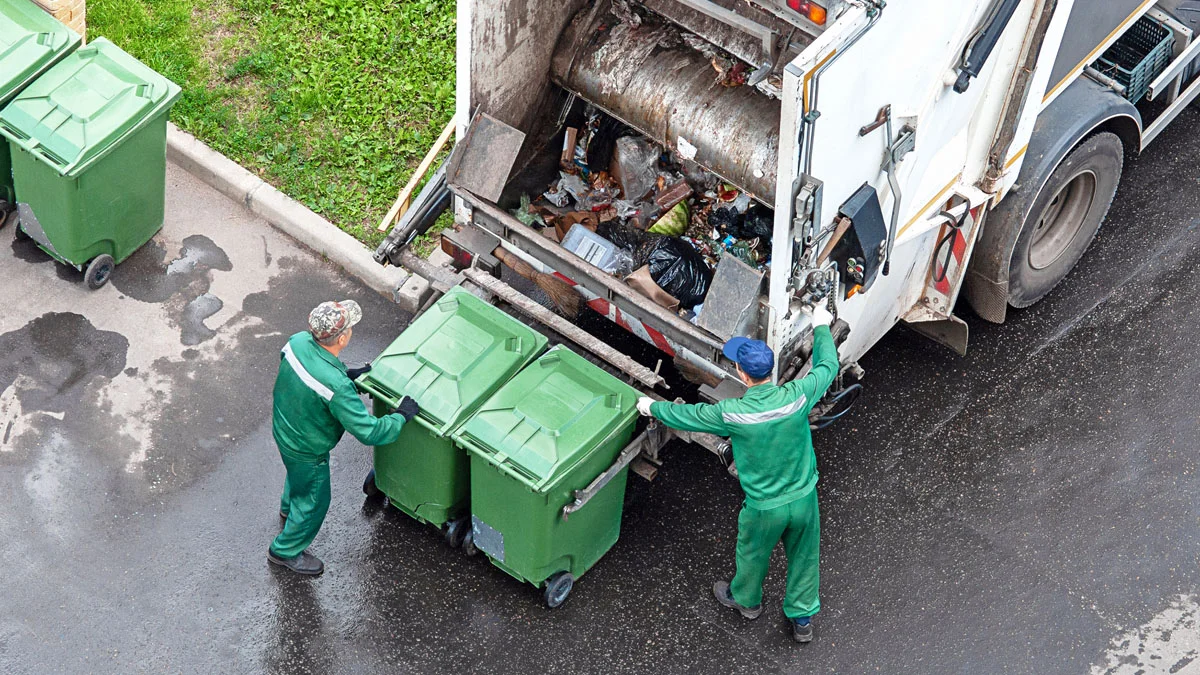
pixel 816 276
pixel 983 42
pixel 897 147
pixel 768 37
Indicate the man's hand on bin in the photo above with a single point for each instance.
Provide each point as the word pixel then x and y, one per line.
pixel 355 373
pixel 643 405
pixel 408 408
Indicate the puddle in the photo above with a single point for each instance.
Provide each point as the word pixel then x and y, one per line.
pixel 58 354
pixel 193 330
pixel 1169 643
pixel 148 276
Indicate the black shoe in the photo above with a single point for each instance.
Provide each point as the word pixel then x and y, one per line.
pixel 721 590
pixel 305 563
pixel 801 633
pixel 283 515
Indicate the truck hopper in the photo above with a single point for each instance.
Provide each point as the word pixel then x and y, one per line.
pixel 651 79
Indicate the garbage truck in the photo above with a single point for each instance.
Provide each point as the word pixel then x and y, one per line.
pixel 880 159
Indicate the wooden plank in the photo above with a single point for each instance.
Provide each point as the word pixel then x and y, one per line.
pixel 401 203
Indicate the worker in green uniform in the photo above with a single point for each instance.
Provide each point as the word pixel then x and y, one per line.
pixel 773 452
pixel 315 403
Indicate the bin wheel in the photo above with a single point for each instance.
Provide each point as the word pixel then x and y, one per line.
pixel 7 214
pixel 99 271
pixel 558 587
pixel 18 231
pixel 370 489
pixel 469 543
pixel 456 532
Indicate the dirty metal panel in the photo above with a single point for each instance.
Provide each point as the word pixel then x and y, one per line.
pixel 950 332
pixel 487 538
pixel 732 297
pixel 732 40
pixel 503 57
pixel 29 222
pixel 484 158
pixel 648 79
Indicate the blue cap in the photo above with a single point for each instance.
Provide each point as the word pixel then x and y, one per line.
pixel 754 356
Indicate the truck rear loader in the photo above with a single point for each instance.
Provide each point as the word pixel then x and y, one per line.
pixel 906 153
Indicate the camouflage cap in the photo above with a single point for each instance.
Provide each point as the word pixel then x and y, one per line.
pixel 331 318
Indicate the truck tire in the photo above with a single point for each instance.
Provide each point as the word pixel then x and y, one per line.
pixel 1064 218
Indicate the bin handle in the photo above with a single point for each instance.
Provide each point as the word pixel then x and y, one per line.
pixel 627 455
pixel 15 131
pixel 387 396
pixel 504 466
pixel 487 454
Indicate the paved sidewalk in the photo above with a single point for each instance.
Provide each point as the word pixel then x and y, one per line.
pixel 1030 508
pixel 135 451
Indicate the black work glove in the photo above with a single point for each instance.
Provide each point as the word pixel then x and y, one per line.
pixel 408 408
pixel 353 373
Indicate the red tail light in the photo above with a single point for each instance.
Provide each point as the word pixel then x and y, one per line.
pixel 461 257
pixel 811 10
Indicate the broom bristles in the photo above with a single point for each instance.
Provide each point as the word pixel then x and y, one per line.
pixel 561 293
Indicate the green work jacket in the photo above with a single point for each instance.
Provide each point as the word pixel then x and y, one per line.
pixel 315 402
pixel 768 426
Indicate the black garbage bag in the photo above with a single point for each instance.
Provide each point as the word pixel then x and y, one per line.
pixel 759 222
pixel 727 220
pixel 679 269
pixel 624 236
pixel 603 141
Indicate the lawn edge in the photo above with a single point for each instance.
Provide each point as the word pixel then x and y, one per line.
pixel 282 212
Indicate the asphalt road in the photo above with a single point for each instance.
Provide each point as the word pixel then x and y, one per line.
pixel 1030 508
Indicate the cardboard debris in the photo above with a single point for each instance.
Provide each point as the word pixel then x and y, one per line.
pixel 643 283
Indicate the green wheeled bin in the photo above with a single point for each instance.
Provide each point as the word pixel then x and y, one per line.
pixel 450 360
pixel 550 431
pixel 88 142
pixel 30 42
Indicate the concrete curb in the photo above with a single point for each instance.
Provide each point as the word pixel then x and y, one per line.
pixel 282 212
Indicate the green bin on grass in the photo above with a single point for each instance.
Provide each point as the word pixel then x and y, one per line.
pixel 450 360
pixel 551 430
pixel 30 42
pixel 88 142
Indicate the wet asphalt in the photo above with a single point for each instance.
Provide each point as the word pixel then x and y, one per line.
pixel 1031 508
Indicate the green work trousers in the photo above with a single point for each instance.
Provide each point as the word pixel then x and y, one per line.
pixel 798 524
pixel 305 501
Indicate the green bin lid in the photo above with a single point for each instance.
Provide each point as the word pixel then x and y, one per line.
pixel 550 416
pixel 85 105
pixel 453 357
pixel 30 41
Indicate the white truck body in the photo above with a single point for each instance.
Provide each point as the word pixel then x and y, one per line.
pixel 970 146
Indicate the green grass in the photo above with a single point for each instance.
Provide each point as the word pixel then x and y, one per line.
pixel 333 102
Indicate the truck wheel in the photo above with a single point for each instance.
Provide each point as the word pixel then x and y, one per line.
pixel 1064 218
pixel 558 587
pixel 99 271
